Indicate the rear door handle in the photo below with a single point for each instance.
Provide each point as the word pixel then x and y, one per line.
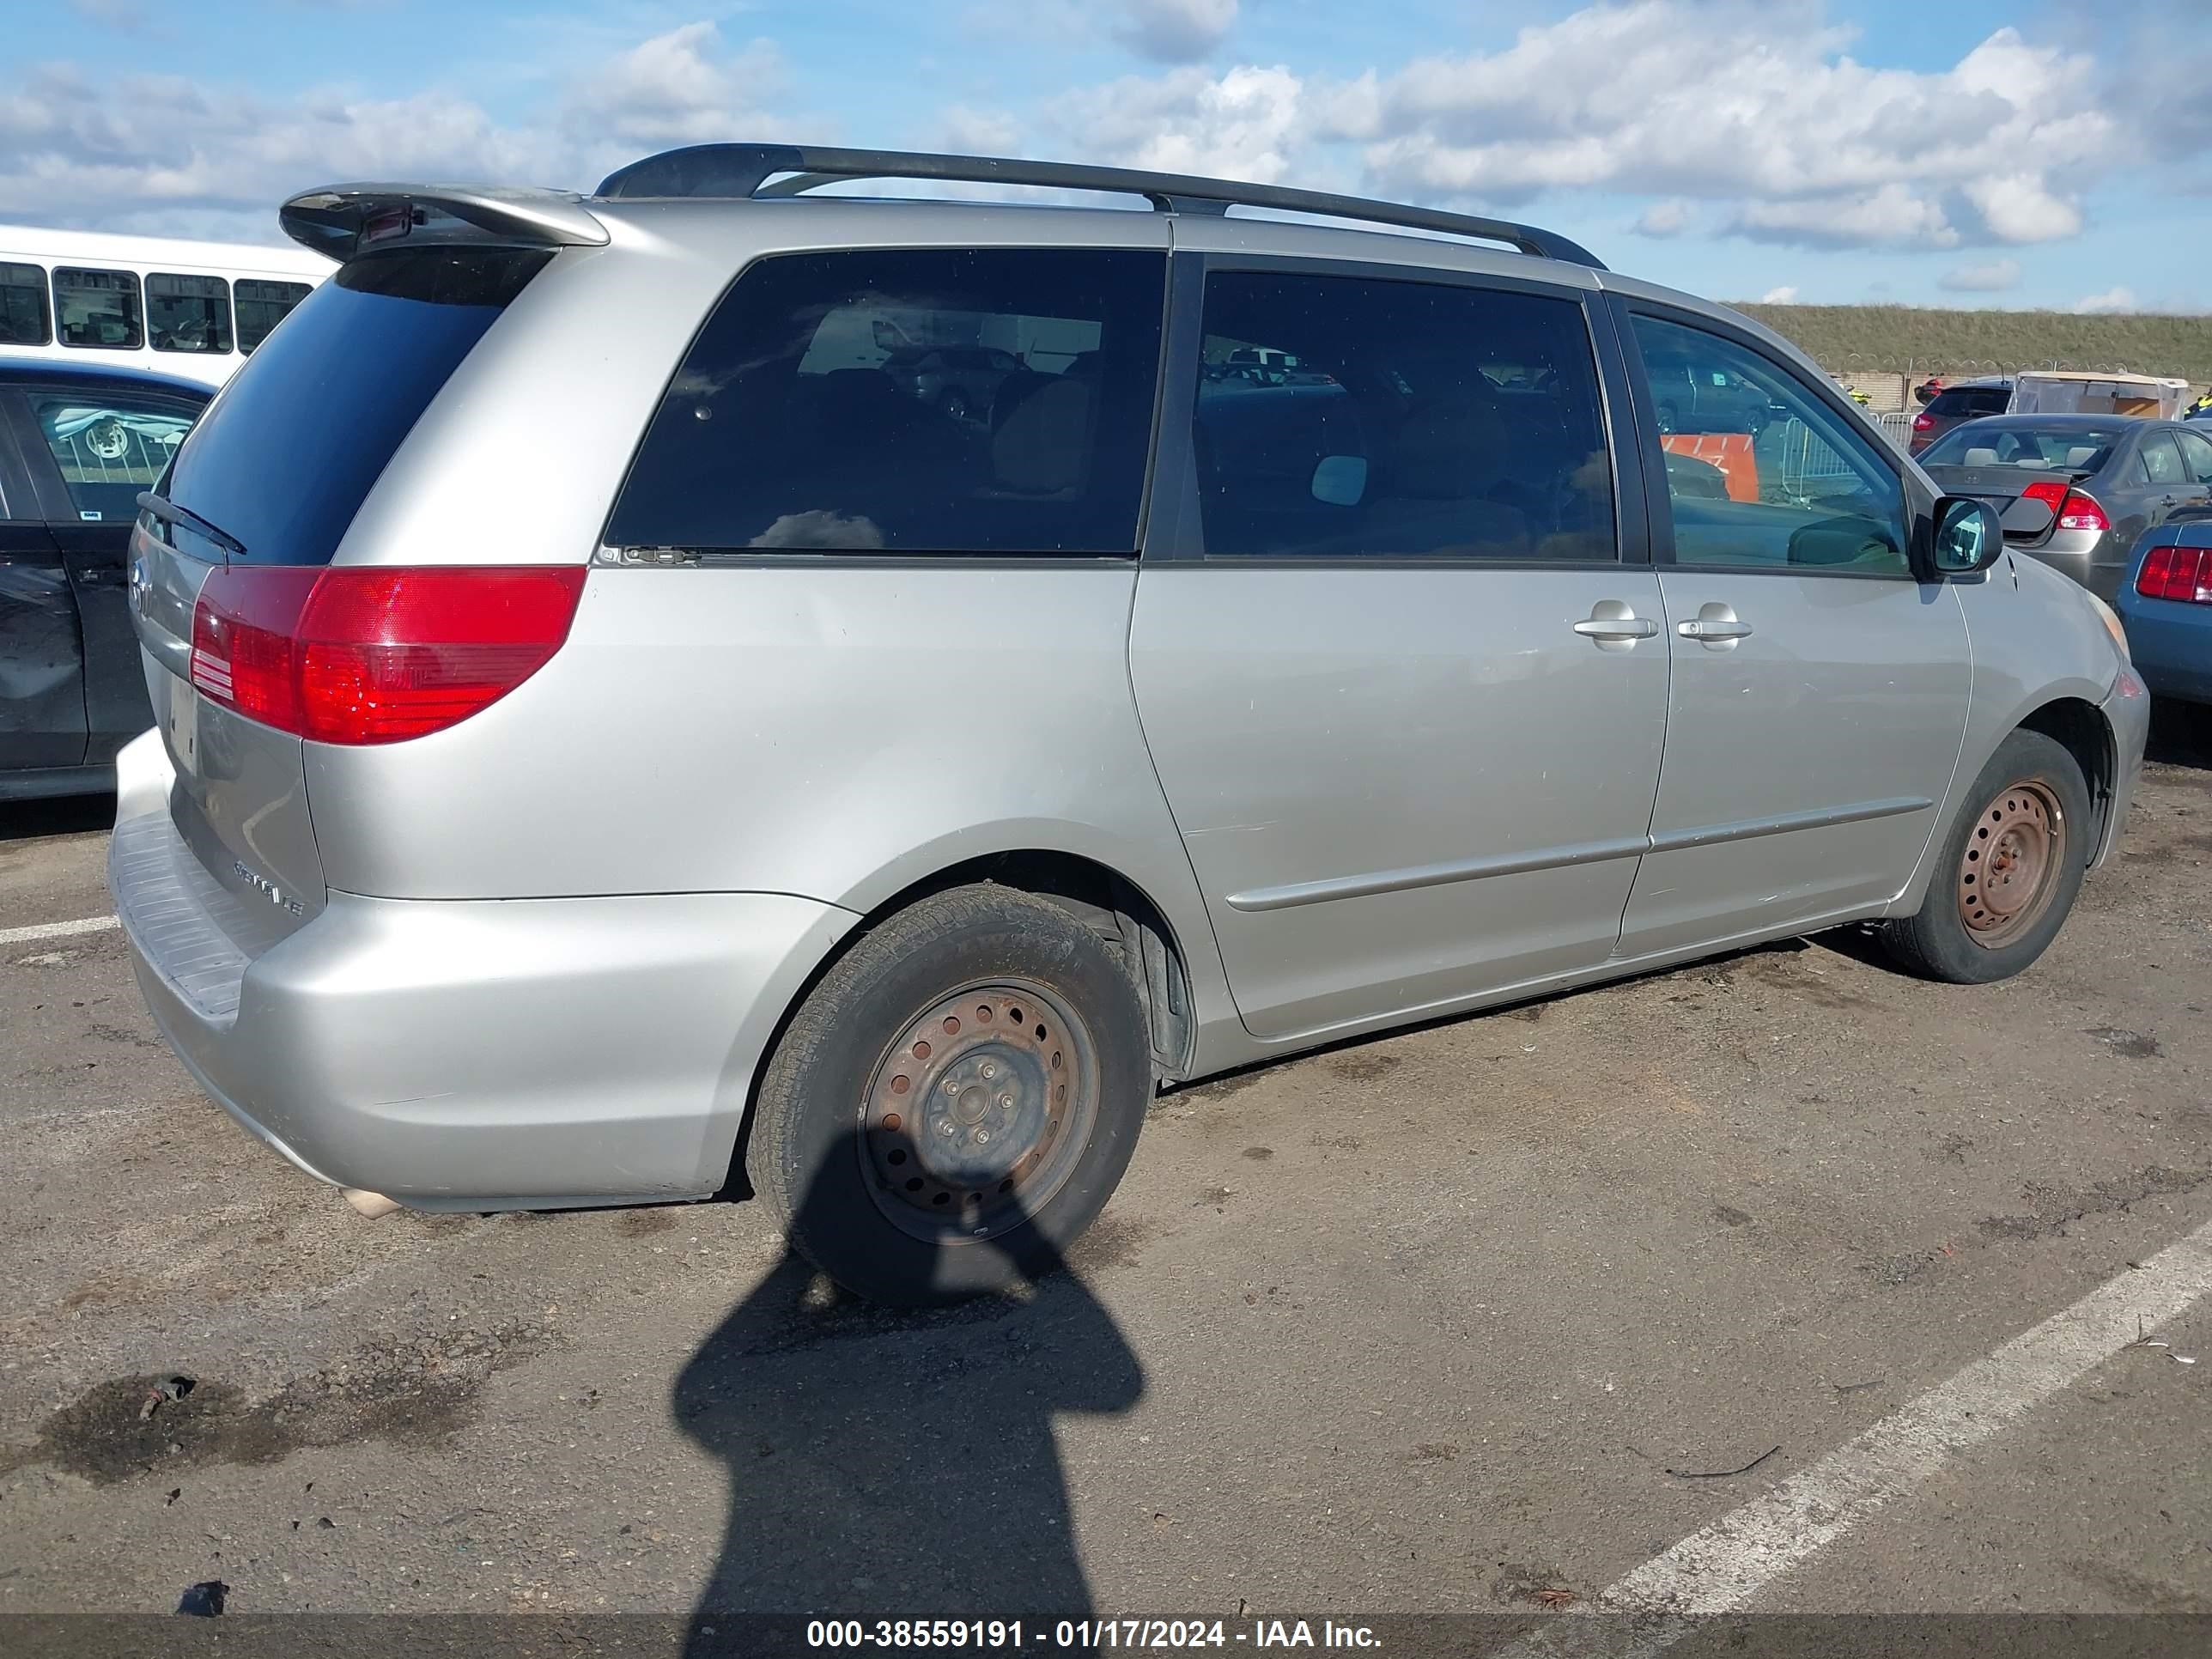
pixel 1716 625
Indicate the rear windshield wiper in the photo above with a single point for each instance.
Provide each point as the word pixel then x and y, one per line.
pixel 167 510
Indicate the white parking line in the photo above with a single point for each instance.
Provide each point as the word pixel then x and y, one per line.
pixel 1722 1568
pixel 56 929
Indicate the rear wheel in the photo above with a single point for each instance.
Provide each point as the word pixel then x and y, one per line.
pixel 955 1102
pixel 2008 872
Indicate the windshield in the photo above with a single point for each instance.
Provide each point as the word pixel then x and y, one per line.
pixel 2061 449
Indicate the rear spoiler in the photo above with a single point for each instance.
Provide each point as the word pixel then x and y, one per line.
pixel 339 221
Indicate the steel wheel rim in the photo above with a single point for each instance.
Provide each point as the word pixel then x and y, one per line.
pixel 2012 863
pixel 979 1111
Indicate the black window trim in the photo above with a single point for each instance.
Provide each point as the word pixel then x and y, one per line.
pixel 1917 500
pixel 137 286
pixel 45 290
pixel 611 552
pixel 229 311
pixel 1178 537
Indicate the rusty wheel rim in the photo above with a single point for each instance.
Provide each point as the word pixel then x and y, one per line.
pixel 2011 866
pixel 979 1111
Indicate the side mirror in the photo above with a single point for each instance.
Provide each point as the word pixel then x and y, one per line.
pixel 1968 536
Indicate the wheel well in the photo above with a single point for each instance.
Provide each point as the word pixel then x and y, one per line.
pixel 1114 907
pixel 2079 727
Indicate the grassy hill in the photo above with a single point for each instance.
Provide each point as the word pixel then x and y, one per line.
pixel 1844 338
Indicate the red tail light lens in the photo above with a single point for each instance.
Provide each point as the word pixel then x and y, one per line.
pixel 367 654
pixel 1922 421
pixel 2048 491
pixel 2079 511
pixel 2182 573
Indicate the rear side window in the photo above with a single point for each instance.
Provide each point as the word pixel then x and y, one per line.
pixel 288 452
pixel 110 444
pixel 23 318
pixel 956 401
pixel 262 305
pixel 2161 460
pixel 1340 417
pixel 188 314
pixel 98 309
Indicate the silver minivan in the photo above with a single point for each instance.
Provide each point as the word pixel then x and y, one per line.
pixel 617 742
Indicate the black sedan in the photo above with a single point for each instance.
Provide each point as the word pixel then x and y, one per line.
pixel 2077 491
pixel 76 446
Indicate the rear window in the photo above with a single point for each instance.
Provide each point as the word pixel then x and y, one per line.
pixel 111 442
pixel 2073 449
pixel 1969 400
pixel 805 416
pixel 285 457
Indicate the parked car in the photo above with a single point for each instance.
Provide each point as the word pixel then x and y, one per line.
pixel 2077 491
pixel 76 446
pixel 1690 397
pixel 2167 606
pixel 1963 400
pixel 963 382
pixel 757 777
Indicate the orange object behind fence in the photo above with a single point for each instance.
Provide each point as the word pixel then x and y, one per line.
pixel 1728 451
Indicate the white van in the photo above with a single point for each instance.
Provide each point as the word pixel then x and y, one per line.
pixel 194 309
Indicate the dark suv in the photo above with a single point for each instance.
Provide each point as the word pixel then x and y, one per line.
pixel 1956 404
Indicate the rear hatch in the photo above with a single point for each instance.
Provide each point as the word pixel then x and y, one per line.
pixel 229 548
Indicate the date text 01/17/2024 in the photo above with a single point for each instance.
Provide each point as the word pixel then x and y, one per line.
pixel 1014 1635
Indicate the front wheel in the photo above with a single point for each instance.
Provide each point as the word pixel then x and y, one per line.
pixel 954 1100
pixel 2008 872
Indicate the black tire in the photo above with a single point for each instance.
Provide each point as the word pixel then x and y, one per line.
pixel 2029 777
pixel 821 1136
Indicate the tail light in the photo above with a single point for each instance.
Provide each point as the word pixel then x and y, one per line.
pixel 2079 511
pixel 2184 573
pixel 2074 509
pixel 1924 421
pixel 375 653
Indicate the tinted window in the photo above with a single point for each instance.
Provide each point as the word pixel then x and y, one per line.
pixel 286 457
pixel 98 309
pixel 262 305
pixel 806 415
pixel 2073 449
pixel 1964 402
pixel 188 314
pixel 2195 457
pixel 23 317
pixel 1340 417
pixel 110 444
pixel 1796 487
pixel 2161 460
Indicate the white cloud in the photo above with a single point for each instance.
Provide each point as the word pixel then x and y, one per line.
pixel 967 132
pixel 2112 299
pixel 1757 106
pixel 1668 218
pixel 1784 295
pixel 1894 216
pixel 1992 278
pixel 1175 31
pixel 161 151
pixel 1245 125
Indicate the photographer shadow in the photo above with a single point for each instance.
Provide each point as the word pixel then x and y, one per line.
pixel 899 1463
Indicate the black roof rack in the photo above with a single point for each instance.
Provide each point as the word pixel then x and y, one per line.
pixel 739 172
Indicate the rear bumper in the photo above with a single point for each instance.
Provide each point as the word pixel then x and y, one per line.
pixel 2172 645
pixel 2129 718
pixel 471 1054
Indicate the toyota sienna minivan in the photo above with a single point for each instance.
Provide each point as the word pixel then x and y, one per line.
pixel 616 743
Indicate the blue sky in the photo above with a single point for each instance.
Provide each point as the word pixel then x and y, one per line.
pixel 1828 150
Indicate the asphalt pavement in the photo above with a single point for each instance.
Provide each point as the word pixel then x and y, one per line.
pixel 1478 1318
